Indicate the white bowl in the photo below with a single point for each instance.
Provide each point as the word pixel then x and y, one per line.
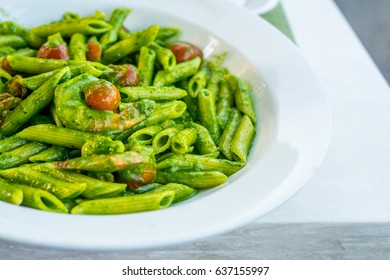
pixel 293 131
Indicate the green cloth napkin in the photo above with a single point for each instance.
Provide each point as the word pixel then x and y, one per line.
pixel 278 18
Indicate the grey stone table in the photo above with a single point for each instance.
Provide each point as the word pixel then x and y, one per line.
pixel 371 22
pixel 265 239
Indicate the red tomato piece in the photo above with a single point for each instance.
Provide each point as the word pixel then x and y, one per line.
pixel 139 176
pixel 102 95
pixel 60 52
pixel 185 51
pixel 16 88
pixel 129 76
pixel 5 65
pixel 94 52
pixel 126 75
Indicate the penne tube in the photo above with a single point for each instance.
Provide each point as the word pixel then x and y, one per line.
pixel 10 143
pixel 94 188
pixel 40 199
pixel 180 72
pixel 207 113
pixel 129 45
pixel 116 20
pixel 10 194
pixel 54 153
pixel 225 103
pixel 68 16
pixel 146 61
pixel 34 40
pixel 36 65
pixel 20 155
pixel 107 163
pixel 68 28
pixel 204 143
pixel 243 139
pixel 200 163
pixel 11 28
pixel 13 41
pixel 77 47
pixel 60 136
pixel 146 188
pixel 164 56
pixel 36 81
pixel 242 97
pixel 182 192
pixel 127 204
pixel 162 140
pixel 192 105
pixel 165 33
pixel 27 176
pixel 199 81
pixel 229 132
pixel 24 52
pixel 145 135
pixel 152 93
pixel 213 84
pixel 30 106
pixel 165 111
pixel 183 140
pixel 193 179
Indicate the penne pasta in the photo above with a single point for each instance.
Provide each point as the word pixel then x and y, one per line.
pixel 98 119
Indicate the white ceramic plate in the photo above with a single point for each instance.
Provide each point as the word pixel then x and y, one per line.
pixel 293 130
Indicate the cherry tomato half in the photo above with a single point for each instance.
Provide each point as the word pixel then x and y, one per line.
pixel 102 95
pixel 60 52
pixel 130 76
pixel 94 52
pixel 5 65
pixel 138 176
pixel 16 88
pixel 185 51
pixel 126 75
